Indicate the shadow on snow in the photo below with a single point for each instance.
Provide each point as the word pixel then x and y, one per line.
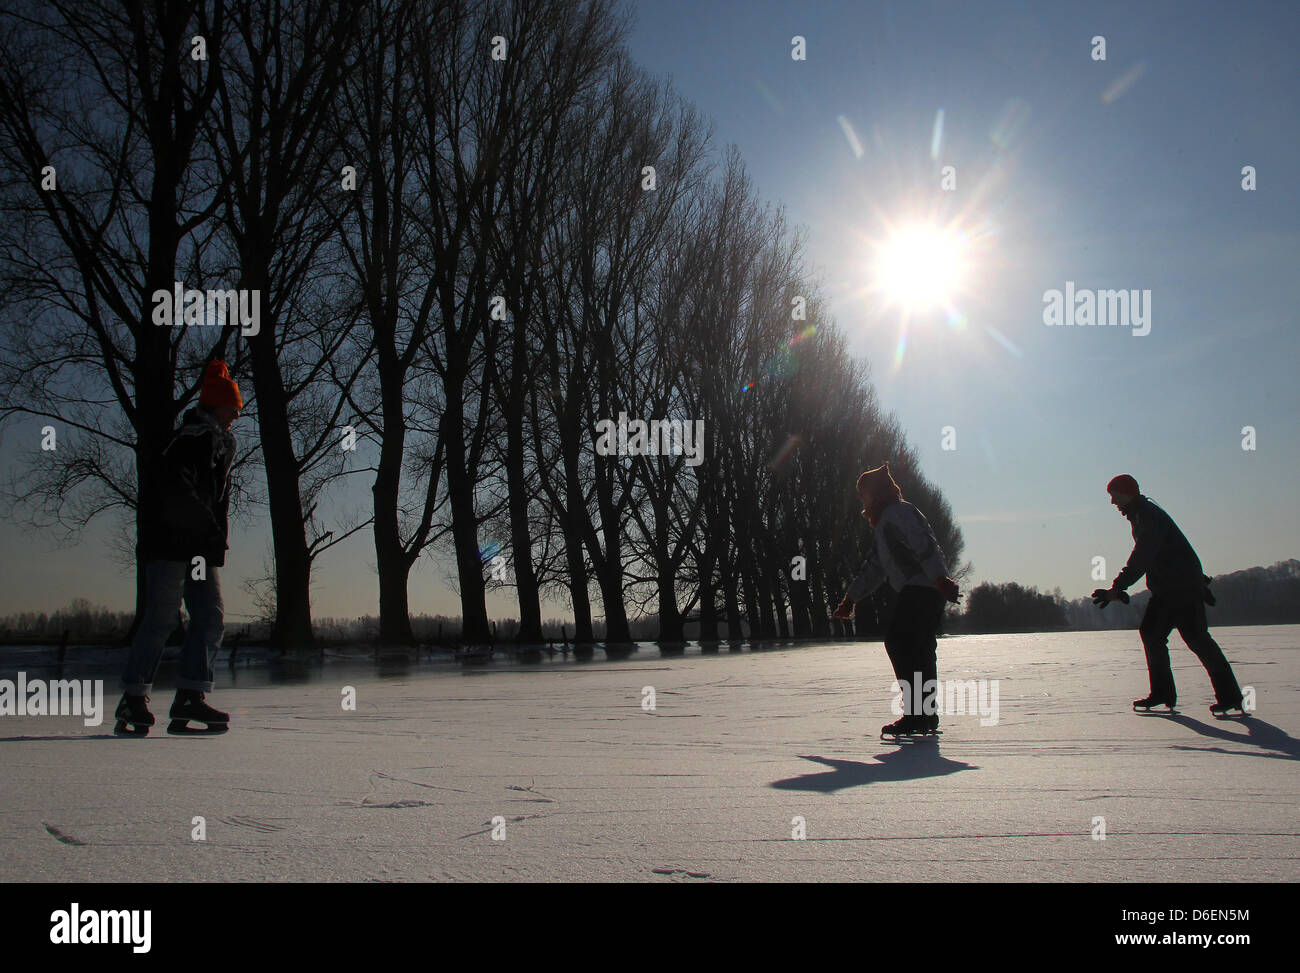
pixel 911 761
pixel 1266 736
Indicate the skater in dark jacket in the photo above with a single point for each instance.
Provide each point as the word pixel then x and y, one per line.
pixel 193 491
pixel 906 554
pixel 1179 593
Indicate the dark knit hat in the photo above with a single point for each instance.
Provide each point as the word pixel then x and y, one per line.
pixel 1123 484
pixel 879 484
pixel 219 388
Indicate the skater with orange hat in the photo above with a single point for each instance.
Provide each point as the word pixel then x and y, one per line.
pixel 906 554
pixel 190 524
pixel 1179 593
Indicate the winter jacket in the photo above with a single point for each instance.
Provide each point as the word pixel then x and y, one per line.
pixel 904 552
pixel 1160 551
pixel 192 487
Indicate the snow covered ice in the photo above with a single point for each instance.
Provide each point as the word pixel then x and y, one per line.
pixel 434 768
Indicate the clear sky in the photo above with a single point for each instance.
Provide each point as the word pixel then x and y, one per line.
pixel 1122 173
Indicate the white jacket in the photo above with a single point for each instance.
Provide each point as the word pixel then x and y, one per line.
pixel 905 552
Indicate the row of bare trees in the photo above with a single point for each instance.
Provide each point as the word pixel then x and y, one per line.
pixel 476 229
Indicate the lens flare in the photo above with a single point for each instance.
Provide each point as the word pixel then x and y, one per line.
pixel 785 452
pixel 784 364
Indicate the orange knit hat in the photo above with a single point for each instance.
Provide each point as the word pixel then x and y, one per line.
pixel 219 388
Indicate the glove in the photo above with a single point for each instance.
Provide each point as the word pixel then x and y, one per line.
pixel 1104 596
pixel 844 610
pixel 948 588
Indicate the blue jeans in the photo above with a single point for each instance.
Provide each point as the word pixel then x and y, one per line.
pixel 166 582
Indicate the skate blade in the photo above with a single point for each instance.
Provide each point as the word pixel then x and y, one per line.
pixel 183 728
pixel 123 729
pixel 1152 711
pixel 1230 716
pixel 919 734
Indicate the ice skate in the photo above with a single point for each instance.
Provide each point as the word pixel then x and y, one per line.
pixel 910 726
pixel 1224 711
pixel 1148 705
pixel 133 716
pixel 189 705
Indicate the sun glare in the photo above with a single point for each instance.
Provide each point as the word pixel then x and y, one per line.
pixel 920 267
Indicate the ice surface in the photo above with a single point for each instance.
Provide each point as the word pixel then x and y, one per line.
pixel 705 787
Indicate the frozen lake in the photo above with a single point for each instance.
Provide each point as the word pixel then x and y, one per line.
pixel 561 771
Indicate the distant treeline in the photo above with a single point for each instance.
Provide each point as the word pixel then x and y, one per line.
pixel 85 622
pixel 81 620
pixel 1255 596
pixel 1010 608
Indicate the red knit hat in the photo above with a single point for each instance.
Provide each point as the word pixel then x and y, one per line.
pixel 219 388
pixel 1123 484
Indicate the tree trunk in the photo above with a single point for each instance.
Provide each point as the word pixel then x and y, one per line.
pixel 575 508
pixel 819 603
pixel 292 629
pixel 708 594
pixel 573 554
pixel 778 608
pixel 799 619
pixel 609 566
pixel 464 520
pixel 610 578
pixel 391 560
pixel 521 542
pixel 751 603
pixel 670 617
pixel 731 596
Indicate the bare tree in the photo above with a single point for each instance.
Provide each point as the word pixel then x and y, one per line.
pixel 387 267
pixel 278 68
pixel 111 201
pixel 581 40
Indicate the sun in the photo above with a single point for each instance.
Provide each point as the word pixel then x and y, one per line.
pixel 920 267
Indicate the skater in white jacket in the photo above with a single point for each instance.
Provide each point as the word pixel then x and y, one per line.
pixel 906 554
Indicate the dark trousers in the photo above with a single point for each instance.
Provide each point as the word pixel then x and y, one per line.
pixel 1185 611
pixel 166 583
pixel 910 641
